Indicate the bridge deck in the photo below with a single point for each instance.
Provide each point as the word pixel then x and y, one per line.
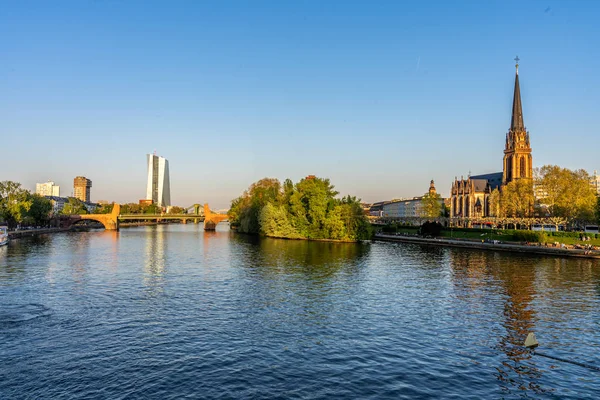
pixel 124 217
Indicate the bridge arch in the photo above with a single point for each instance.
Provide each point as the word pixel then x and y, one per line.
pixel 110 221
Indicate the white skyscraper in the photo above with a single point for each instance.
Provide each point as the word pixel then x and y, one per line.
pixel 159 185
pixel 47 189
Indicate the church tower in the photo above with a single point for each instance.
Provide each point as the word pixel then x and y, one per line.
pixel 432 191
pixel 517 151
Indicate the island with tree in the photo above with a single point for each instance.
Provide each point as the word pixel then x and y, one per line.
pixel 309 209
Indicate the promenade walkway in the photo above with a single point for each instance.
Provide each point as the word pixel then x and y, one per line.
pixel 511 247
pixel 32 232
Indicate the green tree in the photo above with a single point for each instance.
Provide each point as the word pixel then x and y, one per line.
pixel 598 210
pixel 496 205
pixel 74 206
pixel 517 197
pixel 565 193
pixel 315 198
pixel 15 202
pixel 307 209
pixel 551 181
pixel 235 211
pixel 150 209
pixel 431 205
pixel 583 198
pixel 39 212
pixel 358 226
pixel 245 211
pixel 104 209
pixel 274 222
pixel 131 208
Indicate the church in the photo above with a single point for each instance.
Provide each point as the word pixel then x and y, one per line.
pixel 469 198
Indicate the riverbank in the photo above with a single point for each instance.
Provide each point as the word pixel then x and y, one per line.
pixel 300 238
pixel 44 231
pixel 34 232
pixel 314 240
pixel 509 247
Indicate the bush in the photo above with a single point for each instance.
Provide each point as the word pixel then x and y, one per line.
pixel 389 228
pixel 564 234
pixel 431 229
pixel 530 236
pixel 478 230
pixel 393 227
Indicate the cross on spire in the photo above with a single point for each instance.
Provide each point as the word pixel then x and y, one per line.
pixel 517 61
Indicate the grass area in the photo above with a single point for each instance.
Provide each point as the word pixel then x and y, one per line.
pixel 569 240
pixel 410 231
pixel 460 235
pixel 501 236
pixel 477 235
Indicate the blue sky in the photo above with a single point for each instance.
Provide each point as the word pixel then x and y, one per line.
pixel 378 96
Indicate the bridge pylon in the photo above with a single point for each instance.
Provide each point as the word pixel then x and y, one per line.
pixel 211 219
pixel 196 211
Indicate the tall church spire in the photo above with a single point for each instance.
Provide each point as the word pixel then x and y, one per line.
pixel 516 123
pixel 517 153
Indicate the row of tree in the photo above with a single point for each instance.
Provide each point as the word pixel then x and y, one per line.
pixel 20 206
pixel 135 208
pixel 308 209
pixel 554 192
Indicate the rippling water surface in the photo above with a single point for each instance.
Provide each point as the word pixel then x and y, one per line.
pixel 171 312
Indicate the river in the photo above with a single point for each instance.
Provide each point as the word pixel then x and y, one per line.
pixel 171 312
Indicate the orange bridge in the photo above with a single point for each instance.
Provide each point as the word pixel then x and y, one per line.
pixel 111 221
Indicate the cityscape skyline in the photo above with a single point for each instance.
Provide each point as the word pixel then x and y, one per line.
pixel 378 99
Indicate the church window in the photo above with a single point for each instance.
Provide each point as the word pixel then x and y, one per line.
pixel 509 168
pixel 522 167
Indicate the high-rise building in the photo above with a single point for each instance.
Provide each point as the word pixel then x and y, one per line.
pixel 159 185
pixel 47 189
pixel 81 188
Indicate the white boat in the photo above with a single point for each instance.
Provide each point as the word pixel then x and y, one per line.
pixel 3 235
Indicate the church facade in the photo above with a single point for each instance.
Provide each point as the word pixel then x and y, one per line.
pixel 469 198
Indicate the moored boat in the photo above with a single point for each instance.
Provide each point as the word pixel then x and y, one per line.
pixel 3 235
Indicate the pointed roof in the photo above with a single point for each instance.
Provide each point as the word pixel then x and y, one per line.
pixel 516 123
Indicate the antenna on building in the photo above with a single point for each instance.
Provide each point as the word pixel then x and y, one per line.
pixel 469 174
pixel 154 151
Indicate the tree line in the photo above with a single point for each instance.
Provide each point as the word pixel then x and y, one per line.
pixel 554 192
pixel 308 209
pixel 20 206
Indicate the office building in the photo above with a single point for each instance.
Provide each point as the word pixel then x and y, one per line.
pixel 159 186
pixel 81 188
pixel 47 189
pixel 403 208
